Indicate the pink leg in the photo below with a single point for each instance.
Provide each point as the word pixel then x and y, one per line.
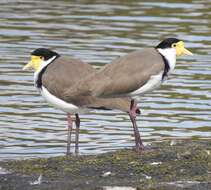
pixel 132 114
pixel 70 125
pixel 77 123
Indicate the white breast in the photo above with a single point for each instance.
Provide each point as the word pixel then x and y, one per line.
pixel 58 103
pixel 152 83
pixel 170 55
pixel 50 98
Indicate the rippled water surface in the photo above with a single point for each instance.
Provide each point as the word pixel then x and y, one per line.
pixel 98 32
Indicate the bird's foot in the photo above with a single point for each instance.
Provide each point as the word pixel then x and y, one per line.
pixel 68 154
pixel 139 148
pixel 143 149
pixel 76 152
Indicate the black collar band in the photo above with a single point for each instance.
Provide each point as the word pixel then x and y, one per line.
pixel 38 82
pixel 166 66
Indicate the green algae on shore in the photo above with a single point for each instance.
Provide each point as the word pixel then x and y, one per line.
pixel 184 164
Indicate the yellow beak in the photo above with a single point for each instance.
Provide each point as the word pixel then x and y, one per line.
pixel 34 63
pixel 181 50
pixel 186 52
pixel 28 66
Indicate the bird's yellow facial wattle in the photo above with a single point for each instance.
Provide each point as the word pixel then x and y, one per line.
pixel 34 63
pixel 180 49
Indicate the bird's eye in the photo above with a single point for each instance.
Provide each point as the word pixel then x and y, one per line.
pixel 174 45
pixel 42 58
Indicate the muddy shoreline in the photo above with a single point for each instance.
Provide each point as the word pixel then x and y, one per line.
pixel 178 164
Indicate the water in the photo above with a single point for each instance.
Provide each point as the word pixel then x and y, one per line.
pixel 98 32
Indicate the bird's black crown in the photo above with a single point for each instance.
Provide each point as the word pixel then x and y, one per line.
pixel 167 43
pixel 45 53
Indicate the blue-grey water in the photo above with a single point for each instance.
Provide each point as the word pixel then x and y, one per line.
pixel 98 32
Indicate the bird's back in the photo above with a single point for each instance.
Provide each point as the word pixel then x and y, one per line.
pixel 65 72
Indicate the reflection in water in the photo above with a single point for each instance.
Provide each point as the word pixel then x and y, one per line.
pixel 98 32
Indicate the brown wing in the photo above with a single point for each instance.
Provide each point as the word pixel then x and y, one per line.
pixel 123 75
pixel 128 73
pixel 65 72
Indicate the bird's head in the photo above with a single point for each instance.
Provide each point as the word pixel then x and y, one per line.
pixel 174 44
pixel 39 56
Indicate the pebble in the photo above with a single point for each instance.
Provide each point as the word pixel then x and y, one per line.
pixel 106 174
pixel 38 181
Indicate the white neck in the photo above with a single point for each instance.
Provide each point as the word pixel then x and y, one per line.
pixel 170 55
pixel 43 64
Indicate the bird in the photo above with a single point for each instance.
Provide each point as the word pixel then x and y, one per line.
pixel 54 74
pixel 133 75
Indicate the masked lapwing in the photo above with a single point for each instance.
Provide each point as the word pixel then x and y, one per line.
pixel 55 74
pixel 133 75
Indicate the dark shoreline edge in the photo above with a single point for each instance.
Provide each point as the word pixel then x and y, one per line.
pixel 178 164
